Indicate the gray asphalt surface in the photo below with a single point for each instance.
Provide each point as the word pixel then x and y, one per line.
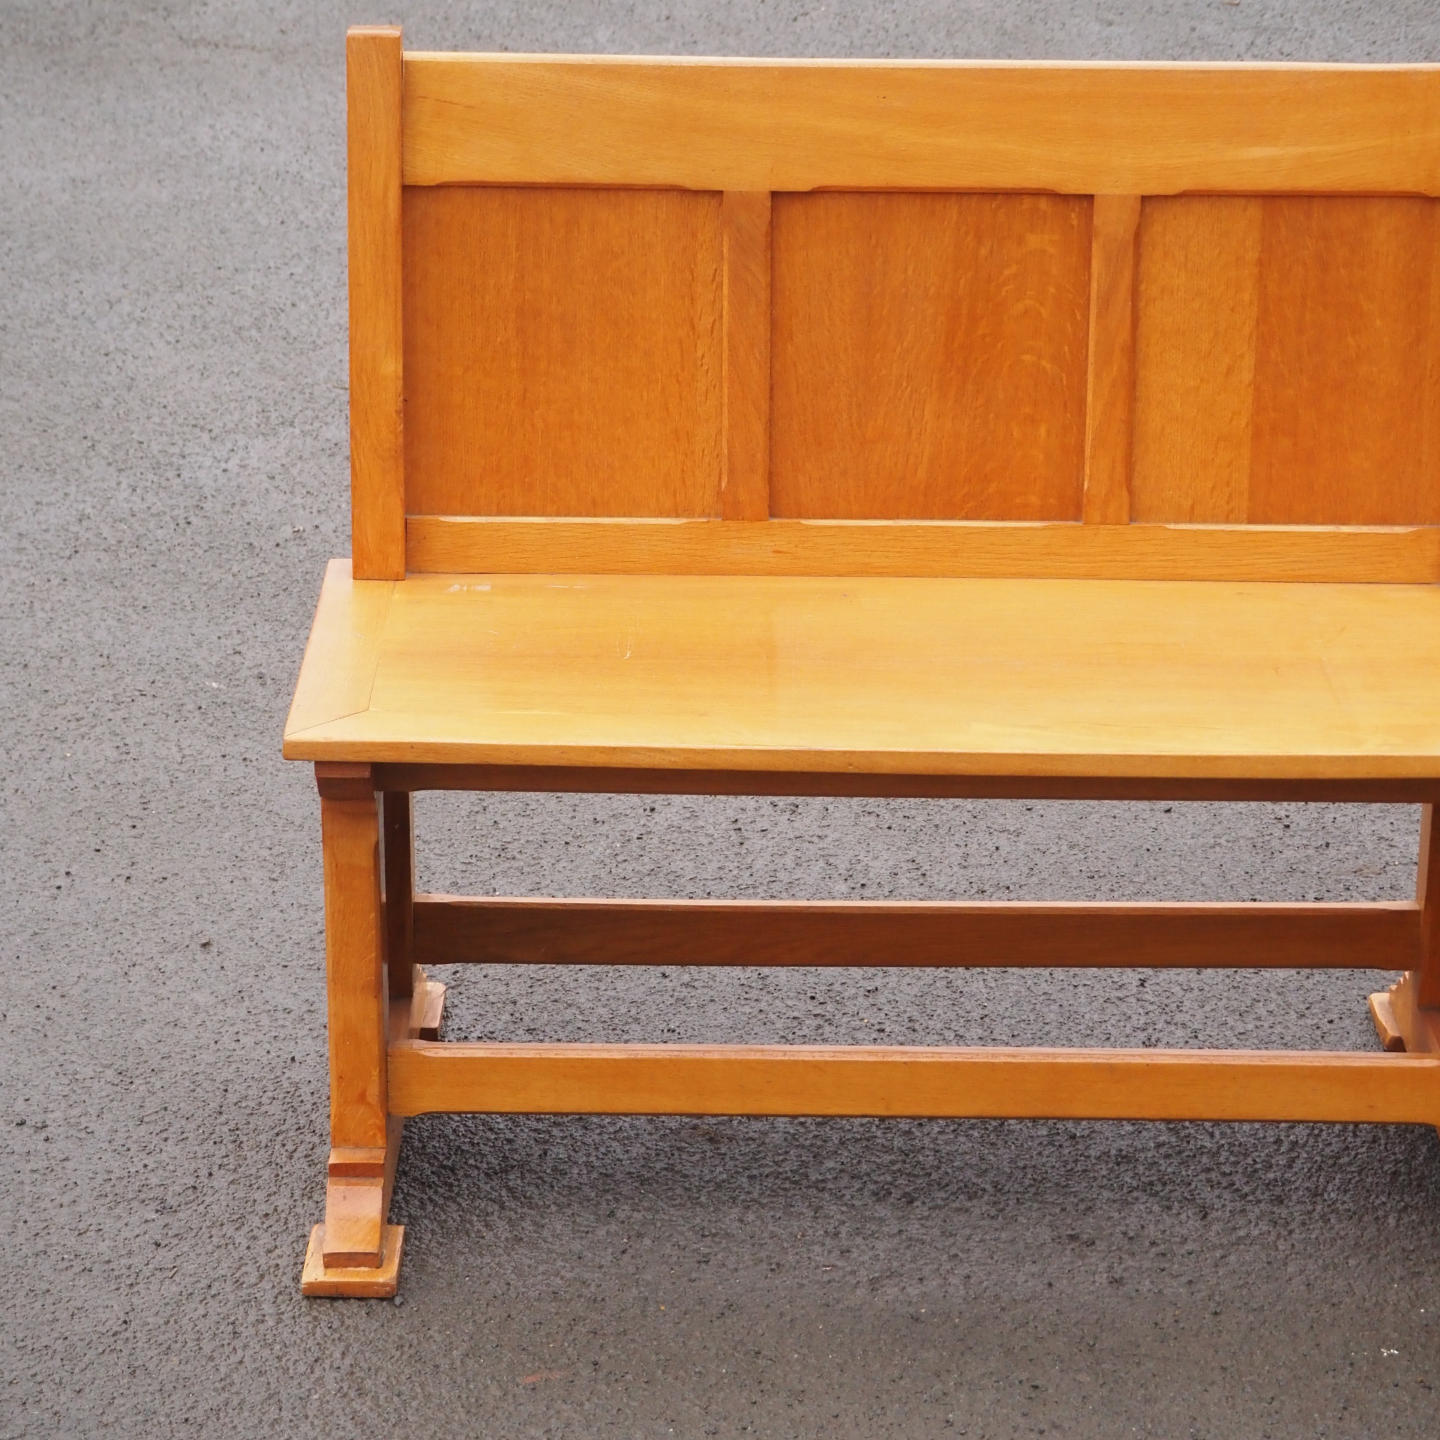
pixel 172 404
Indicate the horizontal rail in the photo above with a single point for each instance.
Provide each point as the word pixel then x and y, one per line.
pixel 1133 129
pixel 451 929
pixel 945 548
pixel 628 780
pixel 917 1082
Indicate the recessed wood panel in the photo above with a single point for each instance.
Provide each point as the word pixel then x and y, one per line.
pixel 562 352
pixel 1288 370
pixel 929 356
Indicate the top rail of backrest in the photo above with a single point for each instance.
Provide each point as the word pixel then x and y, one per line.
pixel 1080 129
pixel 878 317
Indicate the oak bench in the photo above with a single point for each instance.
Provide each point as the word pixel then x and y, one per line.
pixel 811 428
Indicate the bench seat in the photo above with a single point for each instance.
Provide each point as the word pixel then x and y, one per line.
pixel 1095 678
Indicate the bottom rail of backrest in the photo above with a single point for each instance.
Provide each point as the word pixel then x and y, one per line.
pixel 913 1082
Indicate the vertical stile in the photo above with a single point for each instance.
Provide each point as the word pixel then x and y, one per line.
pixel 354 957
pixel 1427 895
pixel 745 479
pixel 1110 378
pixel 398 834
pixel 377 490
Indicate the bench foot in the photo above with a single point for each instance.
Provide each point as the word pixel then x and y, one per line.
pixel 1387 1027
pixel 377 1282
pixel 1402 1024
pixel 427 1010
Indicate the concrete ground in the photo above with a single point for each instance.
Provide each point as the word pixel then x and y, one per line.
pixel 172 377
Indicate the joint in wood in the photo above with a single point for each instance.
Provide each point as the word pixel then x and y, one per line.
pixel 344 780
pixel 357 1161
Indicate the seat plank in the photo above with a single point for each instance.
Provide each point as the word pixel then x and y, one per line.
pixel 925 676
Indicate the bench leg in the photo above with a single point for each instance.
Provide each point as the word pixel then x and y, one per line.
pixel 409 986
pixel 1407 1015
pixel 354 1252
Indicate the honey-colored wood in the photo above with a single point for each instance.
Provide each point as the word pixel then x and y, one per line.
pixel 634 329
pixel 352 1235
pixel 929 356
pixel 1084 129
pixel 377 481
pixel 745 483
pixel 1110 378
pixel 450 929
pixel 627 780
pixel 562 352
pixel 429 1010
pixel 1427 897
pixel 1197 304
pixel 967 677
pixel 1289 361
pixel 1402 1023
pixel 914 1081
pixel 344 641
pixel 355 1251
pixel 1346 425
pixel 444 545
pixel 354 943
pixel 377 1282
pixel 398 846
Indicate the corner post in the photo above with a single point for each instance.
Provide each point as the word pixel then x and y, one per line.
pixel 374 82
pixel 354 1252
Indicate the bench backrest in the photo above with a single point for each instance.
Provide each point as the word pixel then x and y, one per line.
pixel 881 318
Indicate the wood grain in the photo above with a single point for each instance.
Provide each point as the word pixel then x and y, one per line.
pixel 1089 678
pixel 355 992
pixel 1427 897
pixel 623 780
pixel 563 352
pixel 989 125
pixel 449 929
pixel 1110 375
pixel 929 356
pixel 344 641
pixel 745 225
pixel 377 480
pixel 1346 425
pixel 1197 304
pixel 398 851
pixel 914 1081
pixel 1289 361
pixel 443 545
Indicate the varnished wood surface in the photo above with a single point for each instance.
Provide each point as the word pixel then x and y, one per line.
pixel 1427 897
pixel 1086 678
pixel 535 931
pixel 745 385
pixel 1110 376
pixel 913 1081
pixel 628 780
pixel 563 352
pixel 442 544
pixel 929 356
pixel 1289 361
pixel 354 970
pixel 377 482
pixel 980 125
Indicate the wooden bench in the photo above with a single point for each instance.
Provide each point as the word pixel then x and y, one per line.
pixel 802 428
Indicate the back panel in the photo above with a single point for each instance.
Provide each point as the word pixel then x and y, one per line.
pixel 907 319
pixel 1288 361
pixel 562 351
pixel 928 356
